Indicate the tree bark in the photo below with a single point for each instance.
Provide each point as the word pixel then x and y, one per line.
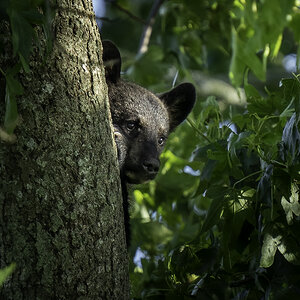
pixel 61 218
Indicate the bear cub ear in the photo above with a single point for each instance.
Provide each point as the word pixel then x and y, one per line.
pixel 179 101
pixel 112 61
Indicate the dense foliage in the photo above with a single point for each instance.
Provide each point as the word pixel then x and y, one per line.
pixel 221 220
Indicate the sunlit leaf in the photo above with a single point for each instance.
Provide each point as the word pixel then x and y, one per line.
pixel 291 206
pixel 289 248
pixel 269 249
pixel 4 273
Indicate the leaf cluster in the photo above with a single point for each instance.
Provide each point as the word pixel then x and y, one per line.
pixel 223 222
pixel 216 37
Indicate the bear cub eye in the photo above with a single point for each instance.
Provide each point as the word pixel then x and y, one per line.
pixel 131 125
pixel 161 140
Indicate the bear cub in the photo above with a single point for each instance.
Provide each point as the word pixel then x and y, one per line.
pixel 142 122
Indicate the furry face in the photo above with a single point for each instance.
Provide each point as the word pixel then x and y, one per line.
pixel 142 121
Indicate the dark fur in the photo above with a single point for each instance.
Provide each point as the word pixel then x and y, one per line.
pixel 142 122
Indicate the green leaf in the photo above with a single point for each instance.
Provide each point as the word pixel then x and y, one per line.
pixel 149 67
pixel 291 206
pixel 208 170
pixel 237 141
pixel 268 250
pixel 24 63
pixel 264 187
pixel 244 55
pixel 290 89
pixel 13 86
pixel 250 90
pixel 22 34
pixel 4 273
pixel 288 112
pixel 215 210
pixel 11 112
pixel 13 89
pixel 153 233
pixel 33 16
pixel 237 66
pixel 284 241
pixel 289 248
pixel 291 136
pixel 295 25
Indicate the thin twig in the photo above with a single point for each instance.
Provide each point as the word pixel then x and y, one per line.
pixel 128 13
pixel 145 38
pixel 105 19
pixel 3 73
pixel 191 123
pixel 246 177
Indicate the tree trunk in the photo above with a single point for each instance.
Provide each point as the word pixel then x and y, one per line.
pixel 61 218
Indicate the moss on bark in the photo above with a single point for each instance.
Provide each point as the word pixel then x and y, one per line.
pixel 60 202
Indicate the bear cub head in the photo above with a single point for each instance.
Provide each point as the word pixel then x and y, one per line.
pixel 142 121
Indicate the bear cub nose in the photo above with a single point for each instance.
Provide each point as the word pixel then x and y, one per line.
pixel 151 165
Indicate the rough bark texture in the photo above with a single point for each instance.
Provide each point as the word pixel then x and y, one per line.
pixel 61 216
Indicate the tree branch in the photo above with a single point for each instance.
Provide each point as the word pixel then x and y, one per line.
pixel 145 38
pixel 128 13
